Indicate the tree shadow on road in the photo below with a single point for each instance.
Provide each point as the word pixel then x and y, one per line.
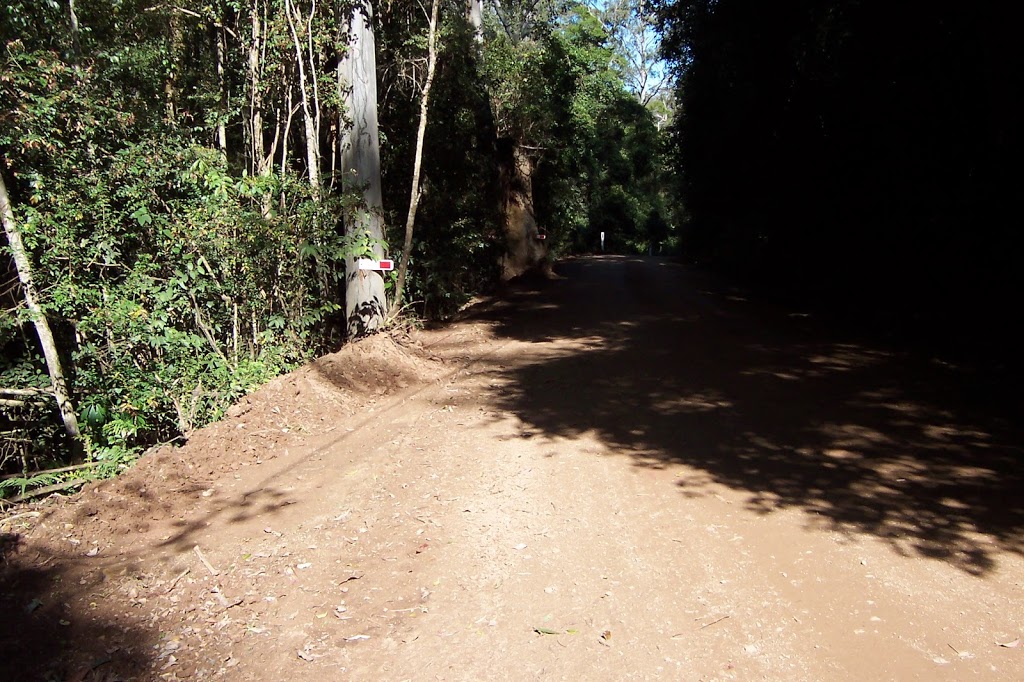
pixel 923 454
pixel 70 616
pixel 44 637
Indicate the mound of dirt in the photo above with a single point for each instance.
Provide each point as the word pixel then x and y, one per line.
pixel 42 543
pixel 281 414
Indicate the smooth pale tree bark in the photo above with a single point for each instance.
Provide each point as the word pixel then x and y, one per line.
pixel 24 267
pixel 475 16
pixel 311 127
pixel 76 43
pixel 365 300
pixel 414 195
pixel 524 251
pixel 222 91
pixel 259 162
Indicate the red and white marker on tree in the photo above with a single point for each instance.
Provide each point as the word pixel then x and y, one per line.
pixel 367 264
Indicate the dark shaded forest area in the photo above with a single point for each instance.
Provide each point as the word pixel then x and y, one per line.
pixel 863 154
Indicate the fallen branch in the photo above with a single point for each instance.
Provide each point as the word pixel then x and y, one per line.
pixel 209 566
pixel 24 402
pixel 61 470
pixel 27 392
pixel 174 583
pixel 46 490
pixel 11 519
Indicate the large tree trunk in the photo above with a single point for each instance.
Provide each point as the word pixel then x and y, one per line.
pixel 53 364
pixel 524 250
pixel 475 16
pixel 365 300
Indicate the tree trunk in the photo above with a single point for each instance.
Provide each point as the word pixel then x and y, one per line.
pixel 524 250
pixel 259 164
pixel 171 83
pixel 414 195
pixel 53 365
pixel 475 16
pixel 222 91
pixel 76 43
pixel 365 299
pixel 311 129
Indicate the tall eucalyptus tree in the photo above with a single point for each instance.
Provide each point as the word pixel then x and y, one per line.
pixel 365 299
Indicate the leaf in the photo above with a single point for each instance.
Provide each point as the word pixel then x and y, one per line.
pixel 142 216
pixel 547 631
pixel 1010 645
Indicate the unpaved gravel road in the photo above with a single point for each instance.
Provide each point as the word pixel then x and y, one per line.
pixel 627 474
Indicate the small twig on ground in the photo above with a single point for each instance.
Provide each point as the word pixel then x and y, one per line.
pixel 713 622
pixel 209 566
pixel 174 583
pixel 10 519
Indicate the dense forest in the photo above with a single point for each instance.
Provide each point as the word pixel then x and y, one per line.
pixel 858 151
pixel 187 187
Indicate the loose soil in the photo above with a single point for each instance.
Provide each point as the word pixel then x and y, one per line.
pixel 627 474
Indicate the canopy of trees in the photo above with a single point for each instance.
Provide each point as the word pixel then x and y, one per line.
pixel 183 181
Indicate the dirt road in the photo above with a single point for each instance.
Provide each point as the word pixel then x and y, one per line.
pixel 626 474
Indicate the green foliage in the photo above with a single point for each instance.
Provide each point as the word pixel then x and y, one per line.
pixel 183 294
pixel 456 246
pixel 181 254
pixel 174 284
pixel 559 88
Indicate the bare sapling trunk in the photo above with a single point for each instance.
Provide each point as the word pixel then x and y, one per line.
pixel 24 267
pixel 258 162
pixel 414 195
pixel 222 91
pixel 171 81
pixel 524 250
pixel 365 299
pixel 76 42
pixel 312 133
